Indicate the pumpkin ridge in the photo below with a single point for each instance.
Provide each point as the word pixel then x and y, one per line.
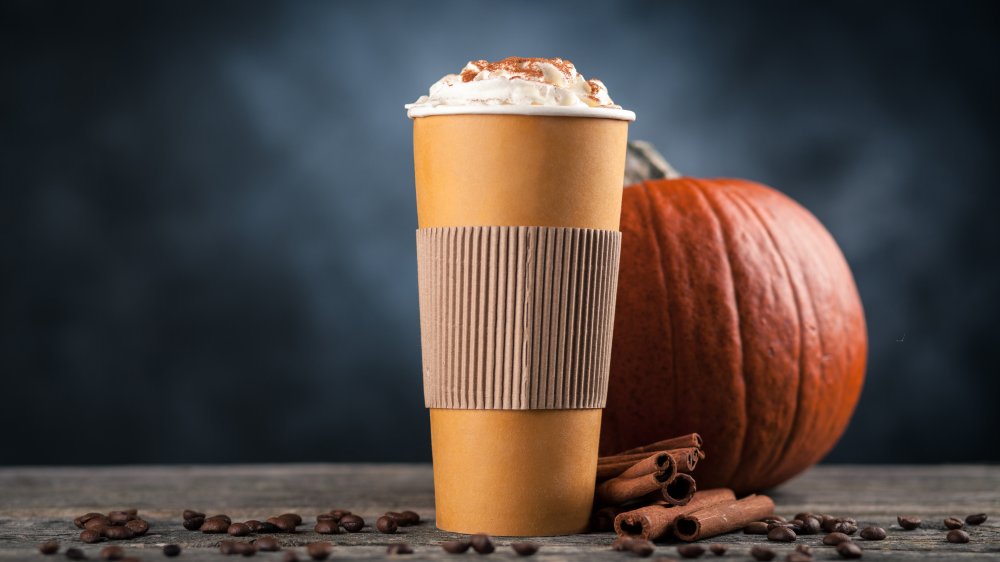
pixel 777 459
pixel 661 256
pixel 709 199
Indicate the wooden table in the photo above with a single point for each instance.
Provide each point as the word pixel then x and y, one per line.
pixel 38 504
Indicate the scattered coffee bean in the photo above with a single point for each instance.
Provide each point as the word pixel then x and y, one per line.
pixel 171 550
pixel 762 553
pixel 120 517
pixel 253 525
pixel 810 526
pixel 238 530
pixel 294 517
pixel 267 544
pixel 845 527
pixel 49 547
pixel 804 549
pixel 640 547
pixel 244 548
pixel 756 528
pixel 524 548
pixel 953 523
pixel 796 556
pixel 828 523
pixel 227 547
pixel 851 520
pixel 482 544
pixel 90 536
pixel 873 533
pixel 214 525
pixel 849 549
pixel 773 524
pixel 283 524
pixel 113 552
pixel 386 524
pixel 908 523
pixel 455 547
pixel 118 533
pixel 138 526
pixel 327 527
pixel 352 523
pixel 194 523
pixel 267 527
pixel 833 539
pixel 97 523
pixel 75 554
pixel 803 514
pixel 717 549
pixel 191 514
pixel 977 519
pixel 410 518
pixel 774 519
pixel 222 516
pixel 781 534
pixel 339 513
pixel 690 550
pixel 319 550
pixel 325 517
pixel 398 548
pixel 290 556
pixel 958 536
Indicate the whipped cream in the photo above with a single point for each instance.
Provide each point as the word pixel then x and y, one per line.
pixel 505 86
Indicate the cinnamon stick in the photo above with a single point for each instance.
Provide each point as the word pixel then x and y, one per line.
pixel 686 458
pixel 662 464
pixel 722 517
pixel 684 441
pixel 679 490
pixel 621 489
pixel 655 521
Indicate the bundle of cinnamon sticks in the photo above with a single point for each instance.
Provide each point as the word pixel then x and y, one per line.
pixel 648 493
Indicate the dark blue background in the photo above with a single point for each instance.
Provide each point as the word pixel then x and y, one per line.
pixel 208 208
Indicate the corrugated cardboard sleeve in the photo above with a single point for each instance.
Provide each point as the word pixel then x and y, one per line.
pixel 516 317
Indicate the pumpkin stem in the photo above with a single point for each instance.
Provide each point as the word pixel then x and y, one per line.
pixel 643 162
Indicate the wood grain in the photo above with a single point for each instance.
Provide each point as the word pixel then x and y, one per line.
pixel 38 504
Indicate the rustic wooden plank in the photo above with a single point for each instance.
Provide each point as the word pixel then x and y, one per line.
pixel 37 504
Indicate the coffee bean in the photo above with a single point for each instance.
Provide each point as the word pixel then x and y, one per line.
pixel 621 544
pixel 977 519
pixel 224 517
pixel 97 523
pixel 810 526
pixel 398 548
pixel 849 549
pixel 171 550
pixel 796 556
pixel 238 530
pixel 833 539
pixel 253 525
pixel 138 526
pixel 640 547
pixel 327 527
pixel 266 527
pixel 482 544
pixel 120 517
pixel 873 533
pixel 781 534
pixel 958 536
pixel 804 549
pixel 194 523
pixel 803 514
pixel 455 547
pixel 908 523
pixel 410 518
pixel 756 528
pixel 319 550
pixel 397 517
pixel 325 517
pixel 113 552
pixel 244 548
pixel 828 523
pixel 214 525
pixel 690 550
pixel 267 544
pixel 294 517
pixel 283 524
pixel 75 554
pixel 953 523
pixel 79 521
pixel 48 547
pixel 227 547
pixel 845 527
pixel 352 523
pixel 717 549
pixel 773 524
pixel 118 533
pixel 524 548
pixel 191 514
pixel 90 536
pixel 290 556
pixel 386 524
pixel 339 513
pixel 762 553
pixel 774 519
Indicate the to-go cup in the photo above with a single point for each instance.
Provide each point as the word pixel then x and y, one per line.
pixel 517 458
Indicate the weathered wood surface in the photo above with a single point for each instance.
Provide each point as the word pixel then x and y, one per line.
pixel 38 504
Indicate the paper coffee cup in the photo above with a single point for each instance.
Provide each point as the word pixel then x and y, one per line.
pixel 518 251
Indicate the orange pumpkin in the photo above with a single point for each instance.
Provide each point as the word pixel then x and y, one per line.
pixel 737 318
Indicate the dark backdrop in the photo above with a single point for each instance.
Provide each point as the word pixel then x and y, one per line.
pixel 208 208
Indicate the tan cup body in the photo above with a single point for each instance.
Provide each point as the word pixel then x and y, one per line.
pixel 517 472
